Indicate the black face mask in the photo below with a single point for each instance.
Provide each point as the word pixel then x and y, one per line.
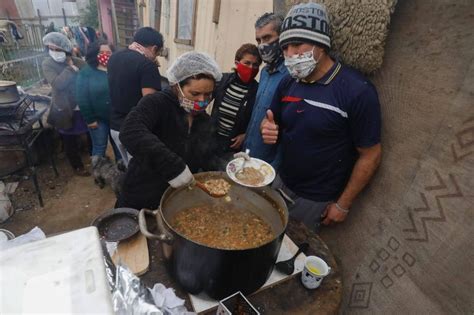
pixel 270 52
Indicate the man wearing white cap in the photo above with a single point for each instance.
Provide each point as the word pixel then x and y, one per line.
pixel 326 117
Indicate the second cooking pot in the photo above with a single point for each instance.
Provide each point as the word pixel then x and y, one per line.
pixel 8 92
pixel 218 272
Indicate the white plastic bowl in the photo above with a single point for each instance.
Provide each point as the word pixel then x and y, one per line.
pixel 236 165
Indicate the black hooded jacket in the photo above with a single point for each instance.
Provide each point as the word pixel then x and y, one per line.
pixel 157 134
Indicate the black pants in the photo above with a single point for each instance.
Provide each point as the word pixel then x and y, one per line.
pixel 72 148
pixel 307 211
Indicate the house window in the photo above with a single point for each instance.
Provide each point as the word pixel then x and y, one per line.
pixel 185 21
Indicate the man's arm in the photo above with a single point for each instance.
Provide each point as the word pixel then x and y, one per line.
pixel 269 129
pixel 150 79
pixel 364 169
pixel 146 91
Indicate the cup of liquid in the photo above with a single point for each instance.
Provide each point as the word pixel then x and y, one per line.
pixel 315 269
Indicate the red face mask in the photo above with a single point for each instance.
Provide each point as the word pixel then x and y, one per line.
pixel 103 58
pixel 246 74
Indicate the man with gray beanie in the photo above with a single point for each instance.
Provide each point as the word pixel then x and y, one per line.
pixel 267 30
pixel 326 118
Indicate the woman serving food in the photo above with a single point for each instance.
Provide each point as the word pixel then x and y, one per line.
pixel 169 134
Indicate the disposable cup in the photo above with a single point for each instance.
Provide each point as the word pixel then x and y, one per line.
pixel 314 271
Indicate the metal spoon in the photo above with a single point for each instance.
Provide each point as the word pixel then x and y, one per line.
pixel 241 170
pixel 288 266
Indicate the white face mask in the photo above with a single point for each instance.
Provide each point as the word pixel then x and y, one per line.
pixel 58 56
pixel 301 66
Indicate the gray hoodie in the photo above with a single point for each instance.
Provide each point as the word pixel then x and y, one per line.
pixel 62 79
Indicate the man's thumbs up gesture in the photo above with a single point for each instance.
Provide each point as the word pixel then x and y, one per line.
pixel 269 129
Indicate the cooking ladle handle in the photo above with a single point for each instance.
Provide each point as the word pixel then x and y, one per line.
pixel 163 236
pixel 203 188
pixel 301 249
pixel 207 191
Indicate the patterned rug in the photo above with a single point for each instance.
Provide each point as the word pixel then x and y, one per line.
pixel 407 246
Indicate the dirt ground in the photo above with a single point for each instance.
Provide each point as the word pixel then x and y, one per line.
pixel 70 202
pixel 419 204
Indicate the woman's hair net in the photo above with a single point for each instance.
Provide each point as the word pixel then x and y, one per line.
pixel 58 40
pixel 191 64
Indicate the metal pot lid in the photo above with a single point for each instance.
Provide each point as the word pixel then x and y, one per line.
pixel 7 83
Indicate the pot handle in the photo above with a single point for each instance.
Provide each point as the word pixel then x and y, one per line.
pixel 163 236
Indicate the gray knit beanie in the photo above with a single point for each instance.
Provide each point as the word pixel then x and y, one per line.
pixel 306 23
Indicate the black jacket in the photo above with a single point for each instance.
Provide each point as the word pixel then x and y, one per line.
pixel 245 112
pixel 128 73
pixel 156 134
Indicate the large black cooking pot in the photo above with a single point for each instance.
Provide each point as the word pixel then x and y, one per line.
pixel 218 272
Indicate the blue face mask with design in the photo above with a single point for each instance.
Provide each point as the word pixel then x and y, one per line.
pixel 190 105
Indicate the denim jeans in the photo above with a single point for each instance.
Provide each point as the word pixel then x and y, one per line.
pixel 99 137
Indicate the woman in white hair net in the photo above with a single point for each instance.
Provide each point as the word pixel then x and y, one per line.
pixel 169 134
pixel 60 70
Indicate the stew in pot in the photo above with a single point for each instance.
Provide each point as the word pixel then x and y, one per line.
pixel 223 227
pixel 217 186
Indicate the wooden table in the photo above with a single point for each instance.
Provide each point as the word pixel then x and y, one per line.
pixel 288 297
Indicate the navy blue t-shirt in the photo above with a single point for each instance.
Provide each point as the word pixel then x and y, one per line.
pixel 321 125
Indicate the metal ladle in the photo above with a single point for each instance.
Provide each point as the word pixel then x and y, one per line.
pixel 207 191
